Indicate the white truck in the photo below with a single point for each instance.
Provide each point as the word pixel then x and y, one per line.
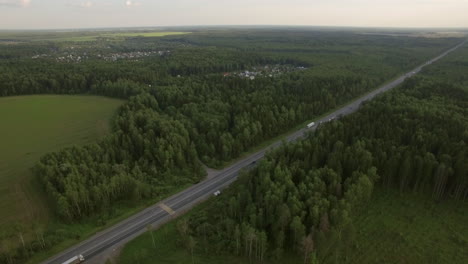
pixel 75 260
pixel 311 125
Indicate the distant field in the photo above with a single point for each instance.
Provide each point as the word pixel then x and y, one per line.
pixel 117 36
pixel 32 126
pixel 440 34
pixel 144 34
pixel 73 39
pixel 12 37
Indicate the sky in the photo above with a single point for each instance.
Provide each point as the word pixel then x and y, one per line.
pixel 63 14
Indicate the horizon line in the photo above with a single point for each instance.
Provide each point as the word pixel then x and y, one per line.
pixel 235 26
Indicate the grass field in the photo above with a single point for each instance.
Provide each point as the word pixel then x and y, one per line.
pixel 115 36
pixel 411 229
pixel 143 34
pixel 393 228
pixel 32 126
pixel 85 36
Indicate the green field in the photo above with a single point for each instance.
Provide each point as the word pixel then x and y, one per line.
pixel 144 34
pixel 115 36
pixel 31 127
pixel 393 228
pixel 80 36
pixel 411 229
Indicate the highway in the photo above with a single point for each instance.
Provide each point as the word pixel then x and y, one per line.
pixel 101 244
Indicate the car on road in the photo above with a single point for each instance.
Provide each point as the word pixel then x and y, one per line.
pixel 218 192
pixel 75 260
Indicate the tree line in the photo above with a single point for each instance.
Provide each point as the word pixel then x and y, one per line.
pixel 147 153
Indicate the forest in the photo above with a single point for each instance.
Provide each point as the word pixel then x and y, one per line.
pixel 183 111
pixel 304 196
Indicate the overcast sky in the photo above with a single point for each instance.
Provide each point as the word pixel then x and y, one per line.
pixel 45 14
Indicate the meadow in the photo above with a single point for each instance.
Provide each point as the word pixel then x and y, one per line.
pixel 32 126
pixel 143 34
pixel 114 36
pixel 410 228
pixel 88 36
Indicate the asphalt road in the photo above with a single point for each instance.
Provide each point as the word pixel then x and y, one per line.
pixel 104 242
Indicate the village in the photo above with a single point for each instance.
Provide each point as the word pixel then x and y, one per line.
pixel 75 57
pixel 264 71
pixel 133 55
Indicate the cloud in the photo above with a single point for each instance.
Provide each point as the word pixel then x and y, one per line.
pixel 130 3
pixel 15 3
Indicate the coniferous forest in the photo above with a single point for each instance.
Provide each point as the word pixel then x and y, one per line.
pixel 207 98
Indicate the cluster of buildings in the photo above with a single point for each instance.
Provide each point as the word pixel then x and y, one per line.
pixel 39 56
pixel 65 58
pixel 133 55
pixel 73 57
pixel 264 71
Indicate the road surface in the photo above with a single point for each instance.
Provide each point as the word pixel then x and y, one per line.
pixel 103 243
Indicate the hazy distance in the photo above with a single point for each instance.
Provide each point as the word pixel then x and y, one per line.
pixel 53 14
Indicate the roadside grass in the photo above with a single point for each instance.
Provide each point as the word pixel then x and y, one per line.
pixel 410 228
pixel 31 127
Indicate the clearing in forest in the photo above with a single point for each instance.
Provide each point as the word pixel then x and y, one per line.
pixel 410 228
